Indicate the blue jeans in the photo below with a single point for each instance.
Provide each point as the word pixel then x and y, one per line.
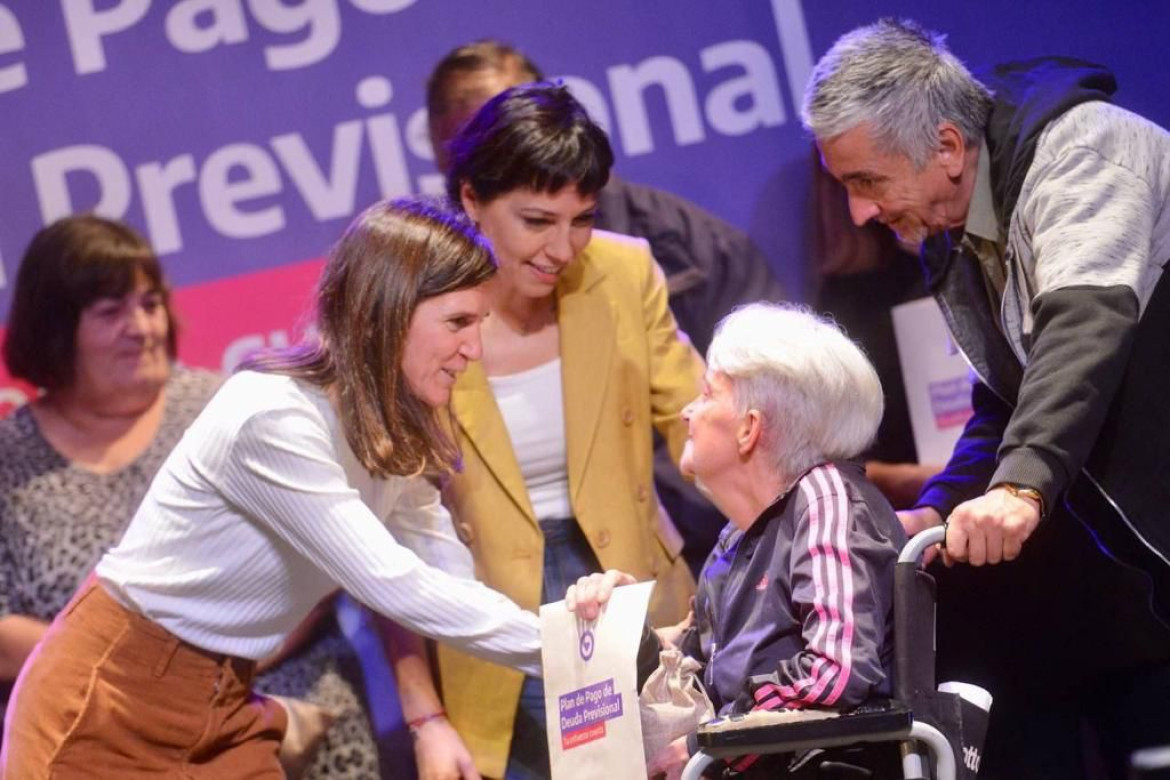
pixel 567 557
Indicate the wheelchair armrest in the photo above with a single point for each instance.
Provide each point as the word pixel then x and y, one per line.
pixel 784 731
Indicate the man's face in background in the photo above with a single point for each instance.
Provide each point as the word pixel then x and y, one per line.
pixel 465 93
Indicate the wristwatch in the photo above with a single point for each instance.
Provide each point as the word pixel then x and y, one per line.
pixel 1021 491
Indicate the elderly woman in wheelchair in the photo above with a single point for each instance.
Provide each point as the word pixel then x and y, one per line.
pixel 795 604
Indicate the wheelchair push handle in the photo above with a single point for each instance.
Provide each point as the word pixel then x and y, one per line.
pixel 922 541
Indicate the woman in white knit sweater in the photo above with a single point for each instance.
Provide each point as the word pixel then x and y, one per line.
pixel 311 469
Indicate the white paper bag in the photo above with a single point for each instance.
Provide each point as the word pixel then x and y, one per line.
pixel 591 687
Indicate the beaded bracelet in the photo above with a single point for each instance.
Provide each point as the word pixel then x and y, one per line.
pixel 419 722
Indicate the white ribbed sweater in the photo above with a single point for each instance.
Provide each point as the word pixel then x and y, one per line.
pixel 262 509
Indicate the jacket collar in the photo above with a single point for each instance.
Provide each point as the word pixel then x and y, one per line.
pixel 981 220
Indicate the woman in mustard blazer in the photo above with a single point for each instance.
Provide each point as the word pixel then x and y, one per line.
pixel 582 361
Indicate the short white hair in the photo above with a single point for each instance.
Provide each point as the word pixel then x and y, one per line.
pixel 819 396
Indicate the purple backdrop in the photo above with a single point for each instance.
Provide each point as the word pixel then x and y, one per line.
pixel 241 135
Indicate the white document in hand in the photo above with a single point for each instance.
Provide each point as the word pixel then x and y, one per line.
pixel 591 687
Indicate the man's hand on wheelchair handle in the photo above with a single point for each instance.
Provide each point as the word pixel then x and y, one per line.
pixel 991 528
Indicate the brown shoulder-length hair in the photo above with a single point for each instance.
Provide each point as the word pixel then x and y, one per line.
pixel 68 265
pixel 393 256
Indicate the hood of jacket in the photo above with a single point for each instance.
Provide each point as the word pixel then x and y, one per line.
pixel 1027 96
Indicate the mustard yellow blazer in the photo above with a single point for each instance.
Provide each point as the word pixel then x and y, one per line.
pixel 625 369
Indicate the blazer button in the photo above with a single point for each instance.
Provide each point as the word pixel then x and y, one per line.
pixel 643 493
pixel 465 532
pixel 628 417
pixel 602 538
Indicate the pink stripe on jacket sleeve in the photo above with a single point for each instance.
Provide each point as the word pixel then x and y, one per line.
pixel 832 576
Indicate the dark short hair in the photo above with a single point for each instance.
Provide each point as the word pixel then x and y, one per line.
pixel 486 54
pixel 68 265
pixel 536 136
pixel 395 255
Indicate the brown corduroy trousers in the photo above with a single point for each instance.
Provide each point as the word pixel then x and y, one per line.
pixel 110 693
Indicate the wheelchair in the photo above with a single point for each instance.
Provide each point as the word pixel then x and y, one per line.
pixel 939 732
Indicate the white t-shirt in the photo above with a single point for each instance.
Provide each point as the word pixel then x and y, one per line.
pixel 262 510
pixel 533 408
